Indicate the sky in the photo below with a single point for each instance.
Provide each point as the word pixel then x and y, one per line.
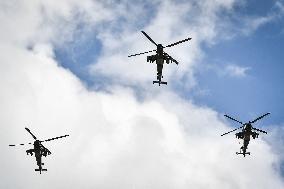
pixel 64 70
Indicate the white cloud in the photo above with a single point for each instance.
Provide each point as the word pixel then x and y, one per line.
pixel 235 70
pixel 116 141
pixel 172 22
pixel 227 70
pixel 251 24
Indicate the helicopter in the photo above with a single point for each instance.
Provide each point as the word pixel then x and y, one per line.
pixel 39 150
pixel 160 57
pixel 247 131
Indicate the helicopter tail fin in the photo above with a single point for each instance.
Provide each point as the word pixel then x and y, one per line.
pixel 40 170
pixel 160 82
pixel 247 153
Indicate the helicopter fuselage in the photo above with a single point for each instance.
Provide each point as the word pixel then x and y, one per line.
pixel 39 151
pixel 245 135
pixel 160 58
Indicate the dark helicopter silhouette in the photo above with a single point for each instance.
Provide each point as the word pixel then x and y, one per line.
pixel 160 57
pixel 39 150
pixel 247 131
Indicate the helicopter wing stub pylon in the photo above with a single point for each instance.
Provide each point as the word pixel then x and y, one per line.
pixel 260 117
pixel 176 43
pixel 233 119
pixel 142 53
pixel 172 59
pixel 54 138
pixel 149 38
pixel 31 133
pixel 232 131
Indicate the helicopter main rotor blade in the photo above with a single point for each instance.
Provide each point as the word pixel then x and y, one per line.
pixel 54 138
pixel 149 38
pixel 259 130
pixel 141 53
pixel 173 44
pixel 232 131
pixel 233 119
pixel 19 144
pixel 31 133
pixel 259 118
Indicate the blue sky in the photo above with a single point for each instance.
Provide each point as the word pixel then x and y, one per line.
pixel 262 89
pixel 258 91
